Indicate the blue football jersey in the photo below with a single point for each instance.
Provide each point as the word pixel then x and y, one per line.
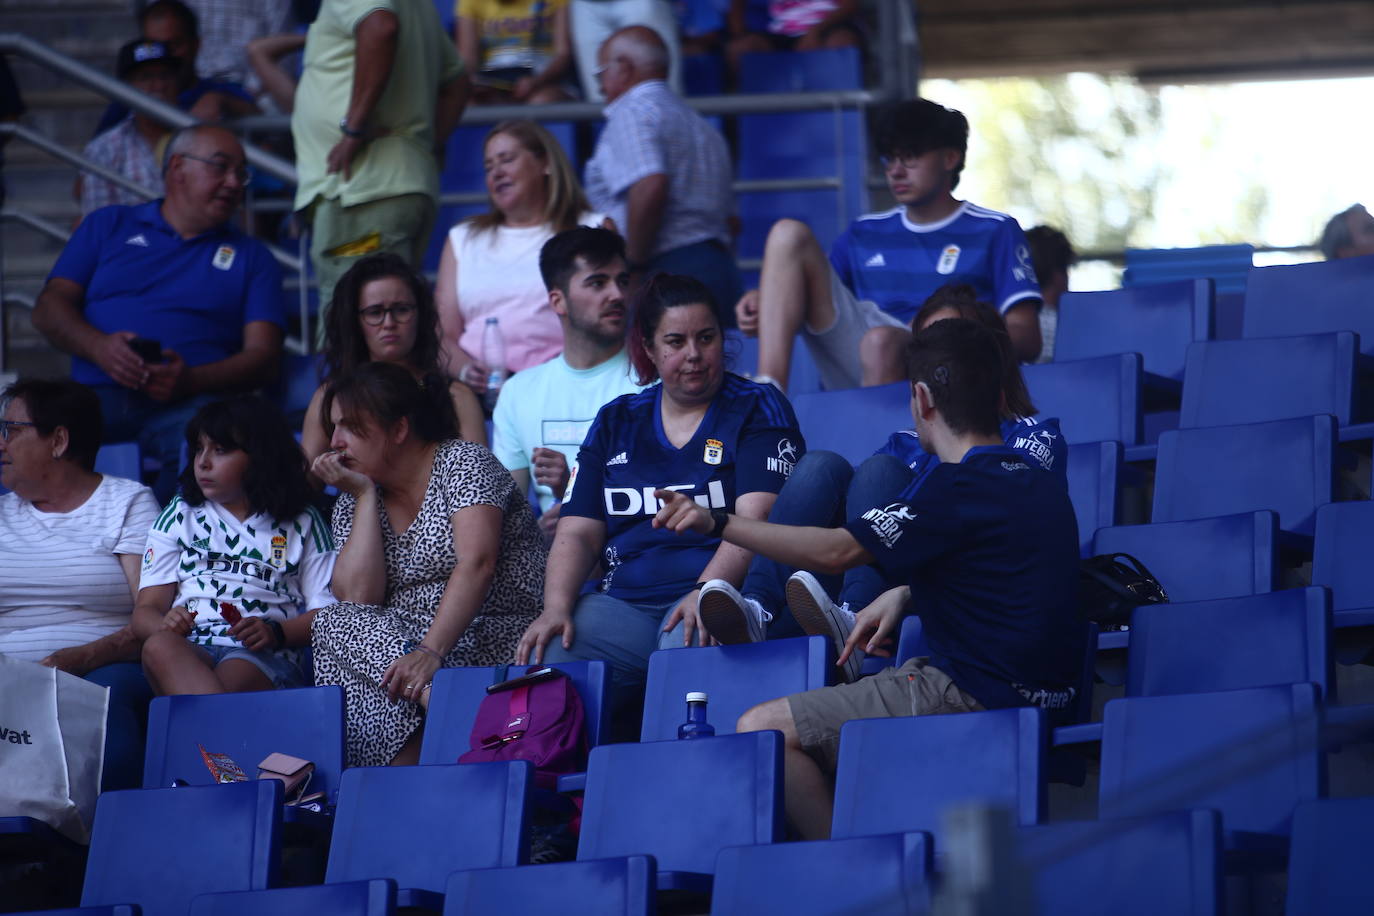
pixel 1039 439
pixel 748 442
pixel 889 260
pixel 990 549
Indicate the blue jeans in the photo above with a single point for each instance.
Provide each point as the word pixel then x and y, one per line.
pixel 126 723
pixel 623 634
pixel 159 429
pixel 825 492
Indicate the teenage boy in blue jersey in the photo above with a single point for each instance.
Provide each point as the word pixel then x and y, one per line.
pixel 177 272
pixel 853 310
pixel 986 542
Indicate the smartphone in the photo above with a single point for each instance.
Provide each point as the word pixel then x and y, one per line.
pixel 150 351
pixel 230 613
pixel 524 680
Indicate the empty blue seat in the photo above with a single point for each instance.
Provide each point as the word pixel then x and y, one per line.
pixel 829 69
pixel 300 376
pixel 1094 472
pixel 354 898
pixel 1274 378
pixel 306 722
pixel 1312 299
pixel 1283 465
pixel 599 887
pixel 160 848
pixel 1169 863
pixel 120 459
pixel 1095 399
pixel 683 801
pixel 872 875
pixel 1158 321
pixel 900 774
pixel 1226 265
pixel 735 678
pixel 417 825
pixel 1341 552
pixel 853 422
pixel 453 702
pixel 126 909
pixel 1203 558
pixel 1328 861
pixel 1252 755
pixel 742 354
pixel 703 74
pixel 1231 643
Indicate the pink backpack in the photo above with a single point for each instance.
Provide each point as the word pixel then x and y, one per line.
pixel 542 722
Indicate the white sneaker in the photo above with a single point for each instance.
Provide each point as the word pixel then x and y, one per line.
pixel 729 616
pixel 819 616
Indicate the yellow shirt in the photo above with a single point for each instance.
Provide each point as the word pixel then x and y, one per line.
pixel 402 160
pixel 514 33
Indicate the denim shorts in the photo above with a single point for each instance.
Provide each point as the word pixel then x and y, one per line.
pixel 282 668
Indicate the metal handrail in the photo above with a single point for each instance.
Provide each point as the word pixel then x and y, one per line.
pixel 108 86
pixel 36 223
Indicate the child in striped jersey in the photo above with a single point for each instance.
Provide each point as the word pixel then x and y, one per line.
pixel 236 565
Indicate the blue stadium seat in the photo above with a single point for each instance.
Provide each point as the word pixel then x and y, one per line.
pixel 827 70
pixel 1169 863
pixel 871 875
pixel 1226 265
pixel 1094 471
pixel 703 74
pixel 735 678
pixel 1251 754
pixel 300 377
pixel 742 355
pixel 598 887
pixel 161 848
pixel 307 722
pixel 683 801
pixel 417 825
pixel 1328 860
pixel 1341 552
pixel 996 757
pixel 1231 643
pixel 120 459
pixel 453 702
pixel 124 909
pixel 1158 321
pixel 1312 298
pixel 354 898
pixel 1203 558
pixel 853 422
pixel 1274 378
pixel 1096 400
pixel 1284 465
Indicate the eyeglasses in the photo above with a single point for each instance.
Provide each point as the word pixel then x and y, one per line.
pixel 221 167
pixel 7 425
pixel 906 162
pixel 376 314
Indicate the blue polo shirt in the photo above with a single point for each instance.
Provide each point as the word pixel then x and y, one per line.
pixel 990 549
pixel 193 295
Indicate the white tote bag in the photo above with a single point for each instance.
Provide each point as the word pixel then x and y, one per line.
pixel 52 746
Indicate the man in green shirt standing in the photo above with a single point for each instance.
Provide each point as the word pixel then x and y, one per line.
pixel 381 91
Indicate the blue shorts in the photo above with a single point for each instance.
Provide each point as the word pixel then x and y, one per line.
pixel 282 668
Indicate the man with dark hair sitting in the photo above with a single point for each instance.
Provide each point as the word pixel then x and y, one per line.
pixel 1052 254
pixel 987 543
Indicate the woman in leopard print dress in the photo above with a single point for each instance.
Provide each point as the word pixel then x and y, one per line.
pixel 440 565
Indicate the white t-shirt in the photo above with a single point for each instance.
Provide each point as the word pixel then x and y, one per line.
pixel 60 580
pixel 263 567
pixel 553 405
pixel 498 275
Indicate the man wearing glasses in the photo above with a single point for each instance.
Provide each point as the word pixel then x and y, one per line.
pixel 854 309
pixel 166 305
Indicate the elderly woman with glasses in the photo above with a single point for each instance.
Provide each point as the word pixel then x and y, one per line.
pixel 383 311
pixel 70 543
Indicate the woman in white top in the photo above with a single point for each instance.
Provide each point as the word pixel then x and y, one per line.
pixel 70 542
pixel 490 266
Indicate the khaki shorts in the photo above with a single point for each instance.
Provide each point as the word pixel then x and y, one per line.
pixel 913 689
pixel 835 350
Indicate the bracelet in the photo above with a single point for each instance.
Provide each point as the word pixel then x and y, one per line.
pixel 721 519
pixel 423 648
pixel 277 631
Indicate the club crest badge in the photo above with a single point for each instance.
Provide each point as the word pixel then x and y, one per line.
pixel 715 451
pixel 224 257
pixel 949 259
pixel 278 551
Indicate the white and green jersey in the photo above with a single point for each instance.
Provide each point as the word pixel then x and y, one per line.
pixel 262 566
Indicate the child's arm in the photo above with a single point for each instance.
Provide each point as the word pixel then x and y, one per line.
pixel 153 612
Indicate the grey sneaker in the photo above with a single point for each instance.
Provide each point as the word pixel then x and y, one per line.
pixel 819 616
pixel 729 616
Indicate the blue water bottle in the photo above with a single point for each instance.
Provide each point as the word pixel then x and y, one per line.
pixel 696 725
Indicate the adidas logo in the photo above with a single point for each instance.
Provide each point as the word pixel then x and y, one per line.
pixel 876 261
pixel 201 544
pixel 622 458
pixel 138 240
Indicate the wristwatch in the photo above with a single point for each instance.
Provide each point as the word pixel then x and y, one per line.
pixel 355 133
pixel 721 519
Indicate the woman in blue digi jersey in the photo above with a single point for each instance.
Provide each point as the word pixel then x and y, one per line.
pixel 727 441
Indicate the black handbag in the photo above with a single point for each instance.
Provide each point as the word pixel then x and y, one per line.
pixel 1111 585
